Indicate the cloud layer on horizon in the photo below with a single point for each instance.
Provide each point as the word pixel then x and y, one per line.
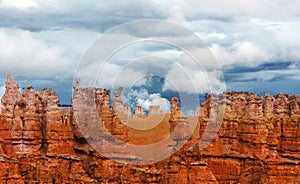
pixel 248 39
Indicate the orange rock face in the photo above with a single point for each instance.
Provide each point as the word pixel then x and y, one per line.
pixel 258 140
pixel 139 112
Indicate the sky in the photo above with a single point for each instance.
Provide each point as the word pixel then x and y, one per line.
pixel 255 43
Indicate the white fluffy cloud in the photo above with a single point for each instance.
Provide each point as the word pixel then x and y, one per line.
pixel 19 4
pixel 23 55
pixel 154 99
pixel 110 76
pixel 250 42
pixel 271 75
pixel 117 76
pixel 73 41
pixel 194 80
pixel 241 53
pixel 244 34
pixel 219 8
pixel 130 67
pixel 142 98
pixel 173 9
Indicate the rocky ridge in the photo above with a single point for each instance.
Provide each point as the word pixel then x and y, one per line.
pixel 40 142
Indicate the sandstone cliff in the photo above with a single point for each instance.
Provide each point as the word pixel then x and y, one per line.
pixel 258 140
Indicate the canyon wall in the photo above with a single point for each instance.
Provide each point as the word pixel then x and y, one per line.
pixel 40 142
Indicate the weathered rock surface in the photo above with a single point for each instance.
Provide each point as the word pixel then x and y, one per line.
pixel 258 141
pixel 175 110
pixel 154 109
pixel 119 108
pixel 139 112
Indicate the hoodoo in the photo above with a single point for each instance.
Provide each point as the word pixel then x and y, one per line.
pixel 40 142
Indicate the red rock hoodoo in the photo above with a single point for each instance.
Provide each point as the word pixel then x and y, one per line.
pixel 40 142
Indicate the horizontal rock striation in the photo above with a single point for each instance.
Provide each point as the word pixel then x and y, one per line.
pixel 40 142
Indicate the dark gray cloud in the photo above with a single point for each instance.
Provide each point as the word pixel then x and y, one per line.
pixel 92 15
